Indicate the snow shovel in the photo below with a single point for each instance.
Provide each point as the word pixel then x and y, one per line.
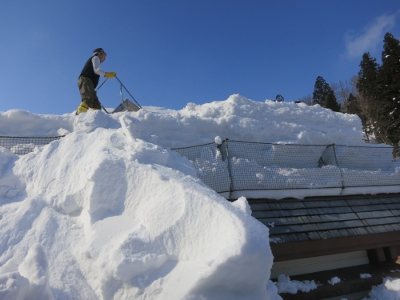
pixel 126 105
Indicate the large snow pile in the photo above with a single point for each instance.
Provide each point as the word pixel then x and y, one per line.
pixel 108 212
pixel 236 118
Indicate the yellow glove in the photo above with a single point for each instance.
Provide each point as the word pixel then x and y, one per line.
pixel 110 74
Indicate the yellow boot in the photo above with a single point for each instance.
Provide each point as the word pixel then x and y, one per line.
pixel 83 107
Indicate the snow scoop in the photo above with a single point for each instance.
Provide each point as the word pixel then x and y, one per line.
pixel 126 105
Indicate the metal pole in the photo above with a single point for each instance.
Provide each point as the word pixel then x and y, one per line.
pixel 101 85
pixel 96 92
pixel 128 92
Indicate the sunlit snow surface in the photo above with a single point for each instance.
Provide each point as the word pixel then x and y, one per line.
pixel 110 212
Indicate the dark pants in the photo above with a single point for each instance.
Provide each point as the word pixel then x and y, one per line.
pixel 88 95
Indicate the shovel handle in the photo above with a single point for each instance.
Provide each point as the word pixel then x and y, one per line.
pixel 128 91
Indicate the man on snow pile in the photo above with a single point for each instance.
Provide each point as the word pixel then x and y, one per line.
pixel 88 80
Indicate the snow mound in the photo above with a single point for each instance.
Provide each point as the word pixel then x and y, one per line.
pixel 285 285
pixel 236 118
pixel 110 212
pixel 104 215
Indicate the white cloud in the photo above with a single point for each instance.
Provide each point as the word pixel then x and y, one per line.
pixel 372 36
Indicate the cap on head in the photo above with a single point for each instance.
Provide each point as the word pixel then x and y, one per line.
pixel 98 50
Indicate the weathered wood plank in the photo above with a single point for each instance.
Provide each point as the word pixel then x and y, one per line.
pixel 283 252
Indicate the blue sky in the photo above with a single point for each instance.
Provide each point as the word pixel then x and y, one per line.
pixel 171 52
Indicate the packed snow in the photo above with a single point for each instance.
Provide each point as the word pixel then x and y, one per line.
pixel 334 280
pixel 388 290
pixel 110 212
pixel 285 285
pixel 236 118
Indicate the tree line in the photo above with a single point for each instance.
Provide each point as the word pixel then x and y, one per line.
pixel 373 95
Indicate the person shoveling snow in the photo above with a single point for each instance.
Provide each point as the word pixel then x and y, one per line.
pixel 89 79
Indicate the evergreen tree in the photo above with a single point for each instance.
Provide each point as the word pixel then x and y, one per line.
pixel 389 88
pixel 352 106
pixel 366 86
pixel 324 95
pixel 367 76
pixel 331 101
pixel 319 91
pixel 379 89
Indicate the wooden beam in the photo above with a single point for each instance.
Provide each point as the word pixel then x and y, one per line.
pixel 295 250
pixel 391 254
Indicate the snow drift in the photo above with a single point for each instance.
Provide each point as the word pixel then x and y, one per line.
pixel 131 215
pixel 109 212
pixel 105 214
pixel 236 118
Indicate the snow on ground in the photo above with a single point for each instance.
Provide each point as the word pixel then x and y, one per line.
pixel 285 285
pixel 388 290
pixel 109 212
pixel 334 280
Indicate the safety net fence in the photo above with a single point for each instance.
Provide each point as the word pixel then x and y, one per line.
pixel 238 166
pixel 23 145
pixel 254 166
